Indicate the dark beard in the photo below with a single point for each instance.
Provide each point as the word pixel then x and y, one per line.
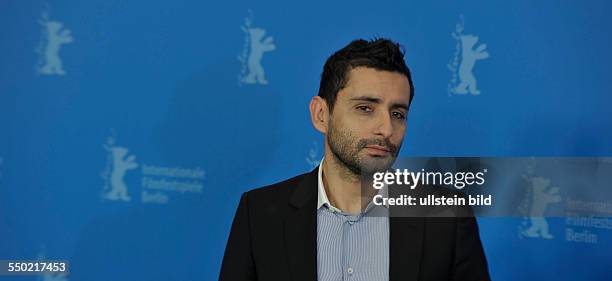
pixel 345 147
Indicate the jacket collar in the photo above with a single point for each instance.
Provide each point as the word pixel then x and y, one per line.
pixel 300 228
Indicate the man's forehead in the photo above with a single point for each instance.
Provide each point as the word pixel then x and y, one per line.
pixel 385 86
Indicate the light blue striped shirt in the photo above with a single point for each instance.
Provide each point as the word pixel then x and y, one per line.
pixel 351 247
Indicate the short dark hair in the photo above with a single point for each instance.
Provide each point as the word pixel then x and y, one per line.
pixel 378 53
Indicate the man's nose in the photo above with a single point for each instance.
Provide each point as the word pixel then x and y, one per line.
pixel 384 127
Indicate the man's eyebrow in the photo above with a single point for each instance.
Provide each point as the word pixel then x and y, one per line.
pixel 366 98
pixel 400 105
pixel 377 100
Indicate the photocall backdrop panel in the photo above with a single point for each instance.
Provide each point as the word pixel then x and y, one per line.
pixel 130 129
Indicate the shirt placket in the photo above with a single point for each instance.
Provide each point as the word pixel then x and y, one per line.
pixel 348 230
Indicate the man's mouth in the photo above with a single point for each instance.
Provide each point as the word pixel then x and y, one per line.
pixel 377 150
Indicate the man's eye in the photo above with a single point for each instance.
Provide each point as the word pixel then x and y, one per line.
pixel 364 108
pixel 399 115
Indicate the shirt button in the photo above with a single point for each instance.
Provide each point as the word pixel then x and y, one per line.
pixel 350 270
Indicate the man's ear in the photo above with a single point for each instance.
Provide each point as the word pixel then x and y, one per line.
pixel 319 114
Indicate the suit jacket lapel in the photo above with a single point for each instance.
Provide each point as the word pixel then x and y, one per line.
pixel 405 247
pixel 301 230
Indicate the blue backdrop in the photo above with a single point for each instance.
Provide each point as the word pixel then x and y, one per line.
pixel 129 129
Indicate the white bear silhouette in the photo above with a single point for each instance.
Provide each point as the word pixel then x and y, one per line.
pixel 469 56
pixel 259 46
pixel 56 37
pixel 541 197
pixel 120 166
pixel 312 159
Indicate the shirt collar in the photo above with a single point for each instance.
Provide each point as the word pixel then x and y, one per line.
pixel 322 195
pixel 323 200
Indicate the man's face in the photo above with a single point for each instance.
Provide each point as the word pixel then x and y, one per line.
pixel 368 121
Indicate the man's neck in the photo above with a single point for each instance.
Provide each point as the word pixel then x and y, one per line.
pixel 343 187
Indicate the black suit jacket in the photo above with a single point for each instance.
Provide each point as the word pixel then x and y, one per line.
pixel 274 237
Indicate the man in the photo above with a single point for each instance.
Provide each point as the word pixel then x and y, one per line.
pixel 317 226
